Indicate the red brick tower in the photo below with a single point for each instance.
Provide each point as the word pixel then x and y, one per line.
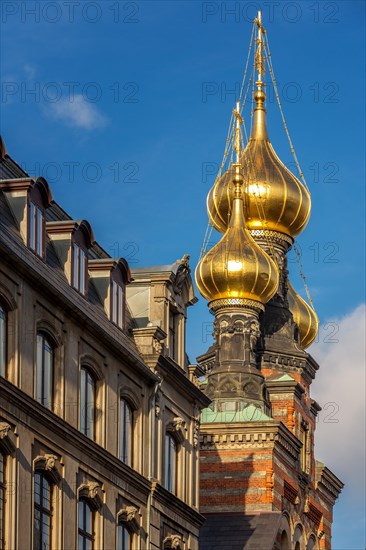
pixel 261 486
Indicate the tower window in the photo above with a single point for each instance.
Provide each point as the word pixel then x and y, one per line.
pixel 79 267
pixel 42 512
pixel 171 459
pixel 87 403
pixel 117 304
pixel 3 340
pixel 36 230
pixel 44 371
pixel 125 441
pixel 86 535
pixel 173 334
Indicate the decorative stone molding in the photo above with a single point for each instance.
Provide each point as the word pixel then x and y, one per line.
pixel 176 427
pixel 173 542
pixel 129 516
pixel 49 464
pixel 7 438
pixel 92 492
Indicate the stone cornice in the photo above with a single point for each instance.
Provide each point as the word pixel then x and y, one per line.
pixel 327 483
pixel 256 434
pixel 174 504
pixel 53 283
pixel 30 413
pixel 285 386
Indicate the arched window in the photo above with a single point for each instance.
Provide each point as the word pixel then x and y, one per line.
pixel 3 339
pixel 285 544
pixel 2 500
pixel 124 541
pixel 44 371
pixel 170 467
pixel 87 402
pixel 125 432
pixel 297 546
pixel 86 534
pixel 42 512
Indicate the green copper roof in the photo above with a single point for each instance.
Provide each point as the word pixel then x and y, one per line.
pixel 283 378
pixel 248 414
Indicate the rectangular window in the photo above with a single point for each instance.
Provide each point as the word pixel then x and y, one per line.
pixel 173 335
pixel 87 403
pixel 42 512
pixel 3 339
pixel 36 230
pixel 170 463
pixel 125 437
pixel 124 538
pixel 304 441
pixel 44 371
pixel 86 536
pixel 2 501
pixel 79 269
pixel 117 304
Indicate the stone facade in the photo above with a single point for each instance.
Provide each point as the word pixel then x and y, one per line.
pixel 113 455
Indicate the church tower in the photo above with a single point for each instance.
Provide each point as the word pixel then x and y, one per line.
pixel 261 486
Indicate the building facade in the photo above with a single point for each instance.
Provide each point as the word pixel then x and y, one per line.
pixel 99 407
pixel 261 486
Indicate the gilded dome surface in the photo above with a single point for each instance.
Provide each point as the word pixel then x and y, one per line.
pixel 236 267
pixel 274 198
pixel 304 316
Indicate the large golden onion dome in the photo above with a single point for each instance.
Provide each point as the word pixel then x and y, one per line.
pixel 236 267
pixel 274 198
pixel 304 316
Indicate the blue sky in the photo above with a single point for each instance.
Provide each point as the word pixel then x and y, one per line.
pixel 124 108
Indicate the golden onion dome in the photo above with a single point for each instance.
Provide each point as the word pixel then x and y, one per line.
pixel 274 198
pixel 236 267
pixel 304 316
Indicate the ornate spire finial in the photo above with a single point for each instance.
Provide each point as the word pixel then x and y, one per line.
pixel 259 61
pixel 238 180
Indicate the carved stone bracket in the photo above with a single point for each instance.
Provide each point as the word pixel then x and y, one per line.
pixel 7 438
pixel 177 427
pixel 50 464
pixel 129 516
pixel 173 542
pixel 92 492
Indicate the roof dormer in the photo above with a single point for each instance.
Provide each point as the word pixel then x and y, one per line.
pixel 110 278
pixel 71 240
pixel 28 200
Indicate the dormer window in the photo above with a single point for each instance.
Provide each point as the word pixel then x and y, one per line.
pixel 36 230
pixel 117 304
pixel 79 267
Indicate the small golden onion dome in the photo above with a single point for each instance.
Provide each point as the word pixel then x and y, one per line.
pixel 274 198
pixel 236 267
pixel 304 316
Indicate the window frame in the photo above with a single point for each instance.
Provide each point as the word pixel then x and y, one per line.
pixel 170 481
pixel 43 511
pixel 40 368
pixel 118 304
pixel 121 526
pixel 84 426
pixel 4 344
pixel 36 229
pixel 79 268
pixel 125 405
pixel 81 532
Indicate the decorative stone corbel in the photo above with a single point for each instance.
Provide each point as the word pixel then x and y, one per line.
pixel 177 427
pixel 129 516
pixel 173 542
pixel 50 464
pixel 7 438
pixel 92 491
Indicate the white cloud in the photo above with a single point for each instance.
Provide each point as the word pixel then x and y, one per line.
pixel 339 387
pixel 77 112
